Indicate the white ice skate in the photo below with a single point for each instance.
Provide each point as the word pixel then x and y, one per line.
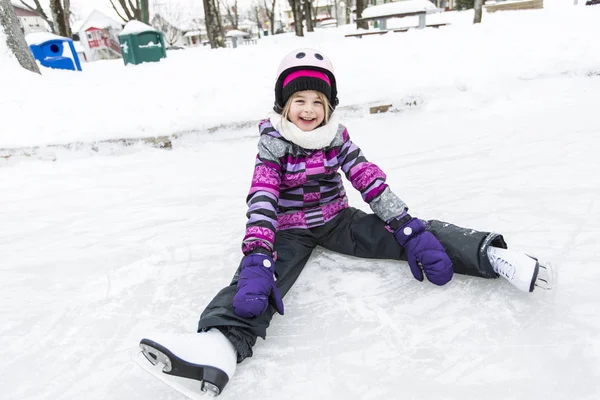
pixel 523 271
pixel 208 357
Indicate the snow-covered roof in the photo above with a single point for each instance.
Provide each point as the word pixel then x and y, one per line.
pixel 399 7
pixel 192 33
pixel 37 38
pixel 99 20
pixel 134 26
pixel 236 33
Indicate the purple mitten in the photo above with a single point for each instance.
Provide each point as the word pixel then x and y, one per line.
pixel 256 287
pixel 423 250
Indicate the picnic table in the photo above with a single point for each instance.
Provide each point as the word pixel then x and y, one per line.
pixel 401 9
pixel 382 19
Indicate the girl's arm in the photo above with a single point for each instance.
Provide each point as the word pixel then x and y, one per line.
pixel 262 201
pixel 369 180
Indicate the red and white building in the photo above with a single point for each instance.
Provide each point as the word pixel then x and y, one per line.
pixel 98 35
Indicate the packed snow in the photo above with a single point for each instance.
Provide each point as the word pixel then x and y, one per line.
pixel 38 38
pixel 133 27
pixel 492 127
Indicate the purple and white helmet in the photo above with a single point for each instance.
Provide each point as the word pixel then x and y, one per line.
pixel 304 69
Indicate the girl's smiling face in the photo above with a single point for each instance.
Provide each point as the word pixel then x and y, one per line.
pixel 307 110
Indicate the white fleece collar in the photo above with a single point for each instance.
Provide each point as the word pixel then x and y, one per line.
pixel 316 139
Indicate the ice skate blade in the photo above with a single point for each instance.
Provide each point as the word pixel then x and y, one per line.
pixel 210 389
pixel 545 277
pixel 212 380
pixel 156 357
pixel 187 387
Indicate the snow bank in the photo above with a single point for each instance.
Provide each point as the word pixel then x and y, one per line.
pixel 199 89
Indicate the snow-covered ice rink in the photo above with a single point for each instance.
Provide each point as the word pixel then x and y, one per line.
pixel 98 249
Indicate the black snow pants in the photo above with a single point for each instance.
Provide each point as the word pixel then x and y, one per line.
pixel 352 232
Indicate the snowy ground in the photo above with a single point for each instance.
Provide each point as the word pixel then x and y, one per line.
pixel 98 249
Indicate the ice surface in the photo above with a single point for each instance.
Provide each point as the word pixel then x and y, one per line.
pixel 99 249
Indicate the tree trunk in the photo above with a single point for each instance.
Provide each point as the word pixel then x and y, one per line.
pixel 214 29
pixel 298 19
pixel 360 7
pixel 478 11
pixel 348 11
pixel 259 25
pixel 308 16
pixel 58 15
pixel 272 16
pixel 232 14
pixel 145 11
pixel 15 40
pixel 67 10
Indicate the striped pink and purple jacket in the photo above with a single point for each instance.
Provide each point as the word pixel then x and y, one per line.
pixel 297 188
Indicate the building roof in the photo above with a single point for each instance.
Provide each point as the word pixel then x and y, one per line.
pixel 99 20
pixel 23 11
pixel 236 33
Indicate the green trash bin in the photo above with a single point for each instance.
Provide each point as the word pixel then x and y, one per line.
pixel 141 43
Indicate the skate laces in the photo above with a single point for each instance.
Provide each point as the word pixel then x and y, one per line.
pixel 503 267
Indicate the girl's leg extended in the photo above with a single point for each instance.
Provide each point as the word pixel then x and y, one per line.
pixel 359 234
pixel 293 249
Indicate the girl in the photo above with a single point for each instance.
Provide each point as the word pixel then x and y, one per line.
pixel 296 202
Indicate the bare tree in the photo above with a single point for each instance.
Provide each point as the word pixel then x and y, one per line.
pixel 298 16
pixel 132 9
pixel 255 15
pixel 232 13
pixel 198 24
pixel 60 15
pixel 360 7
pixel 349 4
pixel 15 40
pixel 308 15
pixel 478 11
pixel 214 28
pixel 169 18
pixel 270 11
pixel 170 32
